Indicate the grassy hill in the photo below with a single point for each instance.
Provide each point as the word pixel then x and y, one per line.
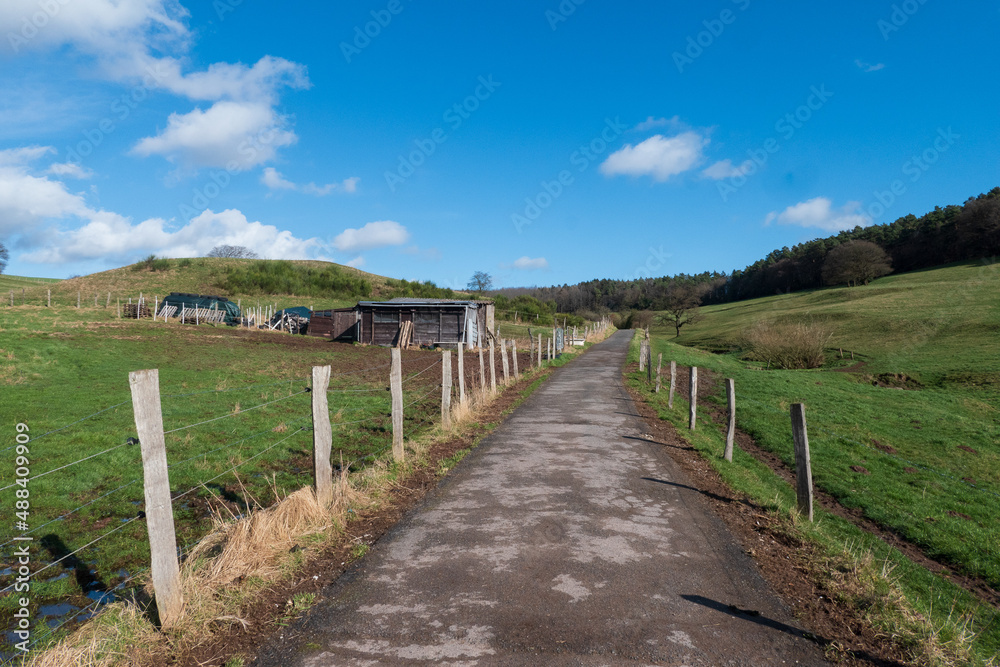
pixel 907 433
pixel 292 282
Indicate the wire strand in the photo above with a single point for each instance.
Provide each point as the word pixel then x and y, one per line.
pixel 63 428
pixel 233 414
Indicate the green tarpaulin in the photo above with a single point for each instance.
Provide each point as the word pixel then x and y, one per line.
pixel 183 300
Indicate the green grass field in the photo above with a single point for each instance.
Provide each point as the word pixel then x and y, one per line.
pixel 61 366
pixel 931 450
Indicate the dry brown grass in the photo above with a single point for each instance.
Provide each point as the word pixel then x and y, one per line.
pixel 786 345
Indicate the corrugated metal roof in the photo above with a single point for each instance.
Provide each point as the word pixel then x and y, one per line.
pixel 412 301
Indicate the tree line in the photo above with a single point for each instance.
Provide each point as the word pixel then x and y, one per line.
pixel 955 233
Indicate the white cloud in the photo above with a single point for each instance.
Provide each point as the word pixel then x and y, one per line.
pixel 531 264
pixel 24 155
pixel 652 123
pixel 357 262
pixel 69 170
pixel 26 200
pixel 659 156
pixel 725 169
pixel 272 179
pixel 373 235
pixel 429 255
pixel 867 67
pixel 819 213
pixel 115 238
pixel 275 181
pixel 235 135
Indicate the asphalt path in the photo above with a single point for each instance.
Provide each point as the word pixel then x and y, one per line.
pixel 565 538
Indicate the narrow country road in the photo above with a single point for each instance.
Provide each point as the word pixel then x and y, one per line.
pixel 564 539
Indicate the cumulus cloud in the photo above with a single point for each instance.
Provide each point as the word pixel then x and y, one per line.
pixel 659 156
pixel 24 155
pixel 819 213
pixel 725 169
pixel 357 262
pixel 868 67
pixel 651 123
pixel 235 135
pixel 115 238
pixel 531 264
pixel 373 235
pixel 69 170
pixel 275 181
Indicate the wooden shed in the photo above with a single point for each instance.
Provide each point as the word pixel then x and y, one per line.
pixel 336 324
pixel 441 322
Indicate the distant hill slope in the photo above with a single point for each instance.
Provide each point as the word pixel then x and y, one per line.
pixel 938 325
pixel 323 284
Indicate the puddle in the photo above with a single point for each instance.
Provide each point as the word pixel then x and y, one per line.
pixel 6 572
pixel 102 597
pixel 58 609
pixel 57 578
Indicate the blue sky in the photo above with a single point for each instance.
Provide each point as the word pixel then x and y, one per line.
pixel 543 142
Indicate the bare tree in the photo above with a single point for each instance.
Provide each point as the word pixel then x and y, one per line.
pixel 682 303
pixel 480 282
pixel 4 256
pixel 855 263
pixel 233 251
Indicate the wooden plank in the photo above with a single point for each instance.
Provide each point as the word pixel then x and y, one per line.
pixel 513 356
pixel 731 431
pixel 322 436
pixel 693 398
pixel 803 466
pixel 145 386
pixel 396 387
pixel 446 390
pixel 539 348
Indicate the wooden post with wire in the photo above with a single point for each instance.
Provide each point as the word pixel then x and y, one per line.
pixel 461 375
pixel 659 367
pixel 506 364
pixel 693 397
pixel 322 436
pixel 731 431
pixel 396 387
pixel 482 372
pixel 145 386
pixel 803 466
pixel 673 384
pixel 493 368
pixel 513 357
pixel 446 389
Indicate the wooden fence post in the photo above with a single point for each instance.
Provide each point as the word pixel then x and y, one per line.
pixel 461 375
pixel 50 298
pixel 693 397
pixel 513 357
pixel 119 308
pixel 12 297
pixel 482 372
pixel 322 436
pixel 659 367
pixel 95 299
pixel 396 387
pixel 503 358
pixel 145 386
pixel 803 467
pixel 78 300
pixel 649 363
pixel 446 389
pixel 642 355
pixel 731 431
pixel 539 347
pixel 673 384
pixel 493 368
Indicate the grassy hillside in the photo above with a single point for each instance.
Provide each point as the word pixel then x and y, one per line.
pixel 286 283
pixel 937 325
pixel 909 431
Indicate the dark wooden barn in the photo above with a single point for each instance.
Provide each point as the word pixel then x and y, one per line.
pixel 435 321
pixel 337 324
